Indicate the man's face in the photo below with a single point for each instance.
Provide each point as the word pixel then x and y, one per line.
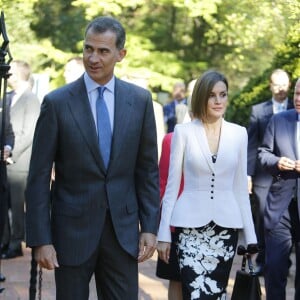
pixel 73 70
pixel 178 92
pixel 280 85
pixel 12 80
pixel 100 55
pixel 297 96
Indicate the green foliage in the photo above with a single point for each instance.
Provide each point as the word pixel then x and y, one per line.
pixel 246 37
pixel 257 90
pixel 167 40
pixel 62 23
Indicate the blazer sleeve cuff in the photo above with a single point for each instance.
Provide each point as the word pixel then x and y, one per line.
pixel 164 234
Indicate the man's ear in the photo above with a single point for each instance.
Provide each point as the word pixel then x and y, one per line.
pixel 122 54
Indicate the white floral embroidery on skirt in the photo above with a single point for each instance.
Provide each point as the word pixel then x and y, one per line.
pixel 202 250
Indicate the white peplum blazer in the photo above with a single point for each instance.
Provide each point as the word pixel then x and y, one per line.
pixel 215 192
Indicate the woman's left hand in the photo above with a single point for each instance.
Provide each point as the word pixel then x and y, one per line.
pixel 163 249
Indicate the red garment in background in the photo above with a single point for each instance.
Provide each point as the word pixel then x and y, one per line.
pixel 164 163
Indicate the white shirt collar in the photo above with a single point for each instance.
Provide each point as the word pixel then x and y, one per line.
pixel 18 93
pixel 92 85
pixel 279 106
pixel 284 102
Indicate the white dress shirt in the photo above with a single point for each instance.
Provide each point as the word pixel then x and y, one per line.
pixel 109 97
pixel 279 106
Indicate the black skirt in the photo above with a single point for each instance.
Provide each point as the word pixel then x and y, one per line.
pixel 205 260
pixel 171 270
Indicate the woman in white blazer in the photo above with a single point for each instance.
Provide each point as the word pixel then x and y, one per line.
pixel 214 204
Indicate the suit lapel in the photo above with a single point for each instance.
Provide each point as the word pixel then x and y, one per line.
pixel 19 106
pixel 291 129
pixel 80 108
pixel 268 109
pixel 203 143
pixel 81 111
pixel 223 142
pixel 123 111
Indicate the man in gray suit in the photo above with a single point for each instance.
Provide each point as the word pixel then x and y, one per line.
pixel 279 154
pixel 24 111
pixel 100 133
pixel 259 179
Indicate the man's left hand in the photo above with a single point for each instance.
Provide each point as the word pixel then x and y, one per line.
pixel 7 152
pixel 147 246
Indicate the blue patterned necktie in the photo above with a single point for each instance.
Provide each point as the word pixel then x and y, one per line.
pixel 103 125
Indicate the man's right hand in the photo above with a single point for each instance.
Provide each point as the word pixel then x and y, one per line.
pixel 46 257
pixel 286 164
pixel 297 166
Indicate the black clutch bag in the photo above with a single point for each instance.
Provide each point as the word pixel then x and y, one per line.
pixel 246 285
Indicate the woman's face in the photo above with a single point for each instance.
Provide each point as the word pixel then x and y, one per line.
pixel 217 101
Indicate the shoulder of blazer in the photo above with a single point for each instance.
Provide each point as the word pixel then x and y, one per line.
pixel 184 130
pixel 288 115
pixel 260 107
pixel 187 126
pixel 126 92
pixel 169 106
pixel 233 129
pixel 233 125
pixel 74 88
pixel 30 97
pixel 131 88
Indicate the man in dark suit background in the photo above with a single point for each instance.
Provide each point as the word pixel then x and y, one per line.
pixel 279 154
pixel 178 102
pixel 259 179
pixel 103 194
pixel 9 136
pixel 8 144
pixel 24 111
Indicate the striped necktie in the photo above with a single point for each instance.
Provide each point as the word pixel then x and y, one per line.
pixel 104 128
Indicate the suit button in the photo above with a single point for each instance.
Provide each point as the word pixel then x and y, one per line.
pixel 211 197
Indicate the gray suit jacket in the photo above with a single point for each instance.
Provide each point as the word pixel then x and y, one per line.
pixel 280 140
pixel 83 189
pixel 260 116
pixel 23 118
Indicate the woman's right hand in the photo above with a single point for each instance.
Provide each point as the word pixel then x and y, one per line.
pixel 163 249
